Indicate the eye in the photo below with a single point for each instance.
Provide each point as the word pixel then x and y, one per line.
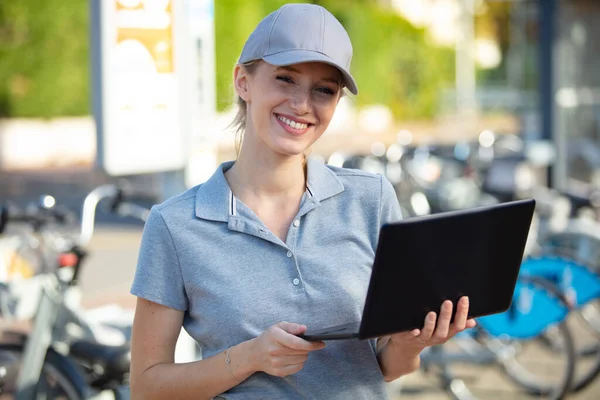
pixel 284 78
pixel 326 90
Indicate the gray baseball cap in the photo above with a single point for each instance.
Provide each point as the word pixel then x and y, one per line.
pixel 298 33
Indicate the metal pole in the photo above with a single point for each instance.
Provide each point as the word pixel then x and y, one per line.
pixel 465 61
pixel 547 15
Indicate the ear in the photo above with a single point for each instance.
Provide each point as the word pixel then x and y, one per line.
pixel 342 94
pixel 240 79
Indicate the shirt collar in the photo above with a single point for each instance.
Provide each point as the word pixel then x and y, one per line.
pixel 215 202
pixel 322 183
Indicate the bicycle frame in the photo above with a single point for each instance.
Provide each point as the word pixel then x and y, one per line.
pixel 39 340
pixel 55 311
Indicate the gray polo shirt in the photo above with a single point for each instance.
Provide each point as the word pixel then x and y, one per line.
pixel 206 253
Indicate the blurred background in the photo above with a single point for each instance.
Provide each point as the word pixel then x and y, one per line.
pixel 462 103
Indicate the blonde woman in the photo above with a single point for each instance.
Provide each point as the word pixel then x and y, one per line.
pixel 272 243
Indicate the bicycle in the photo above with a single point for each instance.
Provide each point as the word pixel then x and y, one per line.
pixel 499 340
pixel 63 356
pixel 26 250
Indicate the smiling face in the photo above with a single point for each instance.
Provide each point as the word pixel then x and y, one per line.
pixel 289 108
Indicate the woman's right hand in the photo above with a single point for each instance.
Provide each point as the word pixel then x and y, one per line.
pixel 279 352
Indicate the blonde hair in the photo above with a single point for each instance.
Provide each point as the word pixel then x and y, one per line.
pixel 239 122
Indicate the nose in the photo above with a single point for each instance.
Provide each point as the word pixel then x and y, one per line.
pixel 300 101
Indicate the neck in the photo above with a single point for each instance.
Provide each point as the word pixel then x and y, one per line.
pixel 272 176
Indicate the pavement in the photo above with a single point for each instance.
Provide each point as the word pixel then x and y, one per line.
pixel 109 271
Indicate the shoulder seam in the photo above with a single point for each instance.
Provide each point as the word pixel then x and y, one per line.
pixel 357 173
pixel 174 201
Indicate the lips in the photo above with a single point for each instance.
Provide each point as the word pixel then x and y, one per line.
pixel 293 126
pixel 293 123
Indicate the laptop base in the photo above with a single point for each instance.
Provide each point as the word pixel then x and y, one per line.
pixel 338 332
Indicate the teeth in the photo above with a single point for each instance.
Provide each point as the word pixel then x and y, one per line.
pixel 293 124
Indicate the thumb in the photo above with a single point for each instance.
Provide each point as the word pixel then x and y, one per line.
pixel 290 327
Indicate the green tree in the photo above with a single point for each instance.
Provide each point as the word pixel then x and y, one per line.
pixel 44 55
pixel 44 58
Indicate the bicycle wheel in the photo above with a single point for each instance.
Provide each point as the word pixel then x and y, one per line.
pixel 526 360
pixel 587 351
pixel 581 286
pixel 56 382
pixel 509 344
pixel 540 372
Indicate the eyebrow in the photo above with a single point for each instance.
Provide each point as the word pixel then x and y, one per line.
pixel 292 69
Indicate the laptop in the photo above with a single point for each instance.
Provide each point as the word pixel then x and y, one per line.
pixel 422 261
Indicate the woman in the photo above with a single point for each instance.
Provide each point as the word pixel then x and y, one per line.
pixel 273 237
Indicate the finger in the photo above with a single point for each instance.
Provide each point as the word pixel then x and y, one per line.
pixel 428 327
pixel 295 359
pixel 462 312
pixel 290 327
pixel 291 369
pixel 471 323
pixel 407 335
pixel 293 342
pixel 286 351
pixel 443 325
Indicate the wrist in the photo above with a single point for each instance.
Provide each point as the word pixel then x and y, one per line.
pixel 247 363
pixel 406 350
pixel 397 359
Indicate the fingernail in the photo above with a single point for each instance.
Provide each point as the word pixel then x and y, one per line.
pixel 431 316
pixel 416 332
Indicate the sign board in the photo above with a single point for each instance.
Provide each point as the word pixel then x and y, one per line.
pixel 139 79
pixel 200 17
pixel 203 147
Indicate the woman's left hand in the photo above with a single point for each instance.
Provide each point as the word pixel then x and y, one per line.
pixel 433 334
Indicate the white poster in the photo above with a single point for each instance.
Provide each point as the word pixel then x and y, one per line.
pixel 138 86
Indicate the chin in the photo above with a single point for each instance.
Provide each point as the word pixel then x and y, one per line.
pixel 289 149
pixel 291 152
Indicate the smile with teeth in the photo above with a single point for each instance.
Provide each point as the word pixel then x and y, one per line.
pixel 292 124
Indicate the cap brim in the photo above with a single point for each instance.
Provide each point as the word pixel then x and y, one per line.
pixel 292 57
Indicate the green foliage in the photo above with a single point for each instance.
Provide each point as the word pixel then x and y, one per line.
pixel 394 64
pixel 44 58
pixel 44 55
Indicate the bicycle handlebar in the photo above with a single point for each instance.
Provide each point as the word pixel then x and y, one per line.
pixel 119 205
pixel 37 216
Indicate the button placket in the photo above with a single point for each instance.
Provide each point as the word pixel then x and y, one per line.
pixel 295 278
pixel 291 243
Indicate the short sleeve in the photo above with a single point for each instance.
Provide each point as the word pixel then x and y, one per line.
pixel 158 275
pixel 390 207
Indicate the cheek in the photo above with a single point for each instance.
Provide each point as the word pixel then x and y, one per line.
pixel 326 114
pixel 267 100
pixel 261 110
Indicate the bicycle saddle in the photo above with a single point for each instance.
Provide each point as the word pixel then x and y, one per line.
pixel 110 364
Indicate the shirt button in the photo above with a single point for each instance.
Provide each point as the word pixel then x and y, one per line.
pixel 297 223
pixel 289 254
pixel 296 281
